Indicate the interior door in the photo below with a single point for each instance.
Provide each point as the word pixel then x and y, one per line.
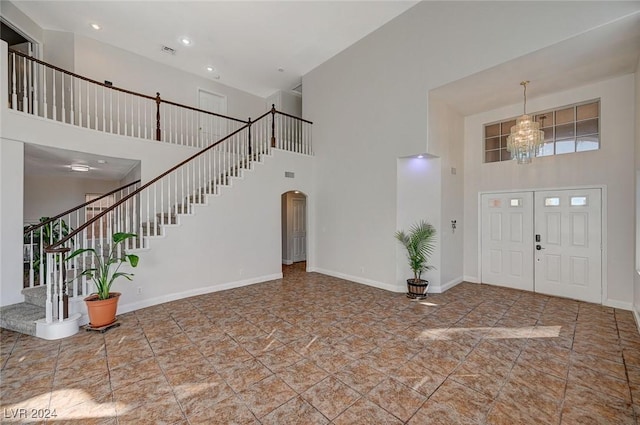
pixel 568 255
pixel 210 127
pixel 299 228
pixel 507 239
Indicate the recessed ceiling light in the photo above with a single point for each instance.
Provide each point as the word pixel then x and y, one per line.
pixel 102 161
pixel 210 69
pixel 186 41
pixel 79 167
pixel 420 156
pixel 96 27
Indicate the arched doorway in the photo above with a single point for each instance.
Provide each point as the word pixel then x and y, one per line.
pixel 294 231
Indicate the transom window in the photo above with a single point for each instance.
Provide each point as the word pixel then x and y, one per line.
pixel 573 128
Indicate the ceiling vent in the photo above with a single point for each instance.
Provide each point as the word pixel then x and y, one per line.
pixel 169 50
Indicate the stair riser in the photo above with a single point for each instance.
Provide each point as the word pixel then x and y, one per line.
pixel 36 295
pixel 19 326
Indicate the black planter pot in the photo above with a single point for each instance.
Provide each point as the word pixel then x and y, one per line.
pixel 417 290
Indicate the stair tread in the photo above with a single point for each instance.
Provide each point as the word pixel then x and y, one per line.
pixel 22 312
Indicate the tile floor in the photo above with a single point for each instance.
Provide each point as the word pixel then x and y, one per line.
pixel 311 349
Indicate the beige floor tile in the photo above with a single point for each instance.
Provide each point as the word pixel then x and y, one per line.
pixel 364 412
pixel 267 395
pixel 330 396
pixel 342 353
pixel 302 375
pixel 396 398
pixel 295 412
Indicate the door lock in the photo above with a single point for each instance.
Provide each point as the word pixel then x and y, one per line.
pixel 539 247
pixel 537 238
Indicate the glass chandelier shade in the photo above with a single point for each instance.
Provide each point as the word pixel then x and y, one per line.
pixel 526 138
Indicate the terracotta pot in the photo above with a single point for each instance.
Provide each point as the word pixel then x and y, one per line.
pixel 102 312
pixel 417 289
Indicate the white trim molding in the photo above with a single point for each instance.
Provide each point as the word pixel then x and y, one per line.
pixel 357 279
pixel 126 308
pixel 438 289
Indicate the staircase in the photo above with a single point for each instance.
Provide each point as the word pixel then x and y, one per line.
pixel 22 317
pixel 144 210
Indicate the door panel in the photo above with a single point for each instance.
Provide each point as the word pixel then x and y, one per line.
pixel 210 127
pixel 569 261
pixel 299 228
pixel 507 239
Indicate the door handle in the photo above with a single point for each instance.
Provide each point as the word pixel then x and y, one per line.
pixel 539 247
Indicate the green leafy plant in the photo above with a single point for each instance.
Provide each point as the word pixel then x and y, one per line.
pixel 51 233
pixel 420 243
pixel 106 268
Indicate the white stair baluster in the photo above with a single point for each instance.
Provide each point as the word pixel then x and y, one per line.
pixel 49 284
pixel 80 120
pixel 25 87
pixel 14 92
pixel 71 95
pixel 55 103
pixel 104 111
pixel 64 107
pixel 35 83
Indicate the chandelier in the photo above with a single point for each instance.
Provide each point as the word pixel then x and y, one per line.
pixel 526 137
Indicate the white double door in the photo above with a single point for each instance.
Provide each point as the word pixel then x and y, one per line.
pixel 544 241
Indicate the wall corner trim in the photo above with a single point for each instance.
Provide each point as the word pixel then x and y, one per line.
pixel 356 279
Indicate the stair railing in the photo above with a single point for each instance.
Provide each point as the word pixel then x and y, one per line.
pixel 158 203
pixel 45 90
pixel 51 229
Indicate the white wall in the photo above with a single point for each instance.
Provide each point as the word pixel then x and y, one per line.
pixel 284 101
pixel 127 70
pixel 369 107
pixel 233 241
pixel 46 196
pixel 419 183
pixel 58 49
pixel 11 168
pixel 21 21
pixel 446 136
pixel 611 166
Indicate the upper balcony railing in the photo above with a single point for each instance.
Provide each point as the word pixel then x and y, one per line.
pixel 44 90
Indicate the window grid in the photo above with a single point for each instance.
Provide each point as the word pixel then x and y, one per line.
pixel 568 129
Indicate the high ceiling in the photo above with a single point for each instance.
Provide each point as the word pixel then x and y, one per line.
pixel 247 42
pixel 601 53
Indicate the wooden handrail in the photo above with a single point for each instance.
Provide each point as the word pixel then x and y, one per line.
pixel 200 110
pixel 294 117
pixel 44 223
pixel 156 98
pixel 141 188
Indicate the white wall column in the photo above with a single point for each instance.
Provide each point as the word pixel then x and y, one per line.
pixel 11 189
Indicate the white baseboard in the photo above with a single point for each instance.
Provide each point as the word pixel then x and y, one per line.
pixel 472 279
pixel 622 305
pixel 126 308
pixel 438 289
pixel 357 279
pixel 287 262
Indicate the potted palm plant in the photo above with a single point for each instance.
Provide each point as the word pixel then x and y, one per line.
pixel 105 269
pixel 419 242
